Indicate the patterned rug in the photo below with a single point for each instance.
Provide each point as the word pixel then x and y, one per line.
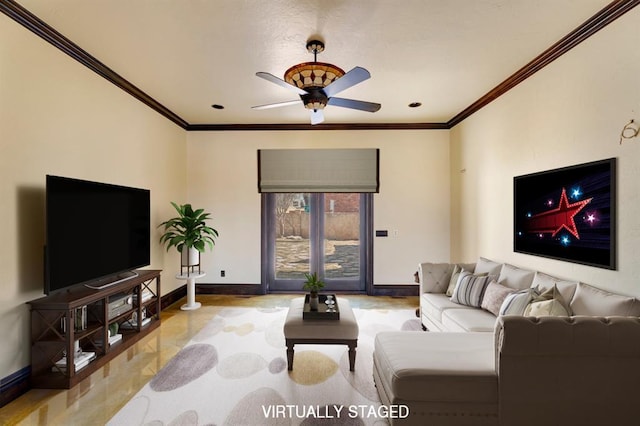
pixel 234 372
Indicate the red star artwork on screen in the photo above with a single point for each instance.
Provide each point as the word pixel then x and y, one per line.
pixel 568 213
pixel 553 221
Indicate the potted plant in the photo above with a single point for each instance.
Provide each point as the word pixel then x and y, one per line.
pixel 188 233
pixel 313 284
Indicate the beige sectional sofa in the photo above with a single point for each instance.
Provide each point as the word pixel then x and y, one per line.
pixel 582 368
pixel 439 313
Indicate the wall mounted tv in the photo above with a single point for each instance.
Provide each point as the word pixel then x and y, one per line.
pixel 568 214
pixel 97 233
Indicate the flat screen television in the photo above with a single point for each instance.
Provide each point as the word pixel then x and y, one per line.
pixel 96 233
pixel 568 213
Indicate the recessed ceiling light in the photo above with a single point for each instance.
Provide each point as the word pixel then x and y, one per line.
pixel 216 106
pixel 415 104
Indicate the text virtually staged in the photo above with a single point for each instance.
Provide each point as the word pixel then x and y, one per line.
pixel 335 411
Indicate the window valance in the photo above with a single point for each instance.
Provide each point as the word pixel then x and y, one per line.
pixel 318 170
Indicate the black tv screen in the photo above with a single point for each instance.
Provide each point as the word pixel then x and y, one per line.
pixel 95 231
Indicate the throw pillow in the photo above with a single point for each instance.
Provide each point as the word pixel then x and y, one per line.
pixel 494 296
pixel 543 282
pixel 593 301
pixel 516 303
pixel 487 266
pixel 454 280
pixel 470 289
pixel 514 277
pixel 549 303
pixel 546 308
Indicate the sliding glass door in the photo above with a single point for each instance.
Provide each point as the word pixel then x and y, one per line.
pixel 325 233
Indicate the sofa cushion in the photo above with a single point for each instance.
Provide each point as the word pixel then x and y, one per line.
pixel 494 296
pixel 470 288
pixel 516 303
pixel 434 304
pixel 593 301
pixel 514 277
pixel 543 282
pixel 444 367
pixel 487 266
pixel 460 320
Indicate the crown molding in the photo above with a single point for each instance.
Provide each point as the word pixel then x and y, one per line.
pixel 324 126
pixel 50 35
pixel 604 17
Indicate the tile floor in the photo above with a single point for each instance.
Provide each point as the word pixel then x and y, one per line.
pixel 96 399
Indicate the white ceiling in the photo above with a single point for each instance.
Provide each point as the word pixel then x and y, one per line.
pixel 190 54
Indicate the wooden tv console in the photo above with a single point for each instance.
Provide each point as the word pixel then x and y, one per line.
pixel 83 315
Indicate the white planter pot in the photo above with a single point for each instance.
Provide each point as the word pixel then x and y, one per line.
pixel 190 257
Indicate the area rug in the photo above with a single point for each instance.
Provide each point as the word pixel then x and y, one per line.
pixel 234 372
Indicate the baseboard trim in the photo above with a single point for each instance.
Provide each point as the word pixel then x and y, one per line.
pixel 400 290
pixel 233 289
pixel 14 385
pixel 395 290
pixel 173 296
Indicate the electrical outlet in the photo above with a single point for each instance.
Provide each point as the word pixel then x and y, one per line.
pixel 222 273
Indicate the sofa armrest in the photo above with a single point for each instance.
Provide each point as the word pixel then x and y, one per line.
pixel 434 277
pixel 568 370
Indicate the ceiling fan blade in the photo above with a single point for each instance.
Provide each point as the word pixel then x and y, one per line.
pixel 272 78
pixel 317 116
pixel 277 104
pixel 353 77
pixel 353 104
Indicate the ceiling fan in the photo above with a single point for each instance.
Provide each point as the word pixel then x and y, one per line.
pixel 317 83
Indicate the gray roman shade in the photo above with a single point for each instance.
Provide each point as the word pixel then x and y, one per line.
pixel 318 170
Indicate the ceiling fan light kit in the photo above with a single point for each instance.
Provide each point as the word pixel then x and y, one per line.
pixel 312 74
pixel 316 83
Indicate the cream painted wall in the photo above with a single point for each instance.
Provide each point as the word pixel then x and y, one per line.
pixel 570 112
pixel 58 117
pixel 413 198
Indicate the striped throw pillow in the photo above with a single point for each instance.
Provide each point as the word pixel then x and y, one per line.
pixel 516 303
pixel 470 289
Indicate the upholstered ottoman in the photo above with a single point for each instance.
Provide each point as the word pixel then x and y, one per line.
pixel 343 331
pixel 444 378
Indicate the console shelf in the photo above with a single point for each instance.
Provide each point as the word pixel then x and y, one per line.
pixel 80 318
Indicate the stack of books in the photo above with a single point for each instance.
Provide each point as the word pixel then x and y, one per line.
pixel 133 323
pixel 80 360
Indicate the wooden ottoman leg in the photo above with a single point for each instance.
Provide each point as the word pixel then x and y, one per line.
pixel 289 354
pixel 352 355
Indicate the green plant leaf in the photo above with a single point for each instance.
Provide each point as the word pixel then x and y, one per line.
pixel 188 229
